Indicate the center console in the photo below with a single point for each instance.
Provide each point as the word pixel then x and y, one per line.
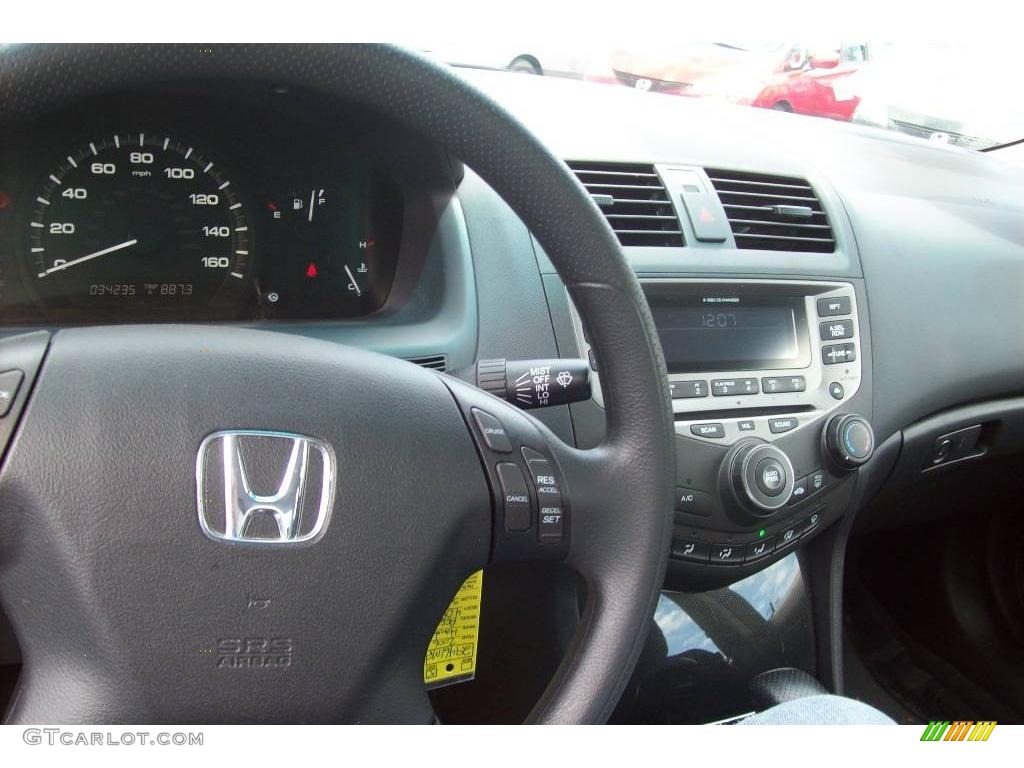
pixel 766 377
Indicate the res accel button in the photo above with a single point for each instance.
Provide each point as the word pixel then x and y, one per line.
pixel 493 432
pixel 9 383
pixel 515 497
pixel 549 496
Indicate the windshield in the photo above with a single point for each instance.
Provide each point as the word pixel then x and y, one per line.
pixel 956 94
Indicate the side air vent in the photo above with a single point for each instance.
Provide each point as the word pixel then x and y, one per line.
pixel 773 213
pixel 634 201
pixel 433 362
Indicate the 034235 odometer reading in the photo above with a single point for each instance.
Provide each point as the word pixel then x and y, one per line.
pixel 138 223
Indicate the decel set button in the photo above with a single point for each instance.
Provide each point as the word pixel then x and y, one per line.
pixel 549 496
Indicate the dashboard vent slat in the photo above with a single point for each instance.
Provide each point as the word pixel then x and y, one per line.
pixel 633 200
pixel 433 362
pixel 773 213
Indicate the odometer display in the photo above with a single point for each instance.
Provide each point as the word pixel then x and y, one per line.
pixel 138 224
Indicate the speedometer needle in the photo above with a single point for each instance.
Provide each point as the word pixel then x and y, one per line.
pixel 104 252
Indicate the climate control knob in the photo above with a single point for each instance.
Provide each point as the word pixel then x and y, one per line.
pixel 848 440
pixel 759 476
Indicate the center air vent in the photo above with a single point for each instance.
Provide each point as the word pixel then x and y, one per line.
pixel 634 201
pixel 773 213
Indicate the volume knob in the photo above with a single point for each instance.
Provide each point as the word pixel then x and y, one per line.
pixel 760 477
pixel 849 440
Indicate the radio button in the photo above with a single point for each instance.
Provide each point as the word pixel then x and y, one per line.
pixel 784 424
pixel 713 430
pixel 831 354
pixel 835 329
pixel 836 305
pixel 773 384
pixel 770 477
pixel 727 387
pixel 695 388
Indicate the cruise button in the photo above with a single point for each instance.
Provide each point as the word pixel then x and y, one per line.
pixel 493 431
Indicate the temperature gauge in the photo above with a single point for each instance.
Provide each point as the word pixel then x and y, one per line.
pixel 330 251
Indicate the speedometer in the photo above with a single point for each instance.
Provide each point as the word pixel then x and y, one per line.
pixel 138 224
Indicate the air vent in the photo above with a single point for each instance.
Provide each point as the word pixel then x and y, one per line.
pixel 634 201
pixel 773 213
pixel 433 362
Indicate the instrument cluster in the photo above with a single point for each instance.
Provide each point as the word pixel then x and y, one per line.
pixel 143 215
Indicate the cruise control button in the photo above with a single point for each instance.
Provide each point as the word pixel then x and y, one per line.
pixel 515 495
pixel 693 502
pixel 770 477
pixel 727 387
pixel 713 429
pixel 837 305
pixel 835 329
pixel 832 354
pixel 771 385
pixel 759 549
pixel 549 497
pixel 726 553
pixel 799 491
pixel 687 389
pixel 9 383
pixel 493 431
pixel 686 549
pixel 784 424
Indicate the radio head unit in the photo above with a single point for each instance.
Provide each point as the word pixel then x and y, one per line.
pixel 751 358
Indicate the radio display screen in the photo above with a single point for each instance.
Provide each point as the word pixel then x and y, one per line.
pixel 731 333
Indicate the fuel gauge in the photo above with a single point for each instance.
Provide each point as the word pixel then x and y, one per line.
pixel 329 251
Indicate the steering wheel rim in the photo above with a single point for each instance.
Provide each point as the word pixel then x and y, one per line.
pixel 620 504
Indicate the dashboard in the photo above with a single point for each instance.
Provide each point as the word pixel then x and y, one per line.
pixel 818 289
pixel 176 205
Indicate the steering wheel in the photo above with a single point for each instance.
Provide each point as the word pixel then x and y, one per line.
pixel 119 601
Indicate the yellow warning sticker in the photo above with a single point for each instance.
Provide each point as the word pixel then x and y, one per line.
pixel 451 654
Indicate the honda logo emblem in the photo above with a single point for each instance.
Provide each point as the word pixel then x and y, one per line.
pixel 264 487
